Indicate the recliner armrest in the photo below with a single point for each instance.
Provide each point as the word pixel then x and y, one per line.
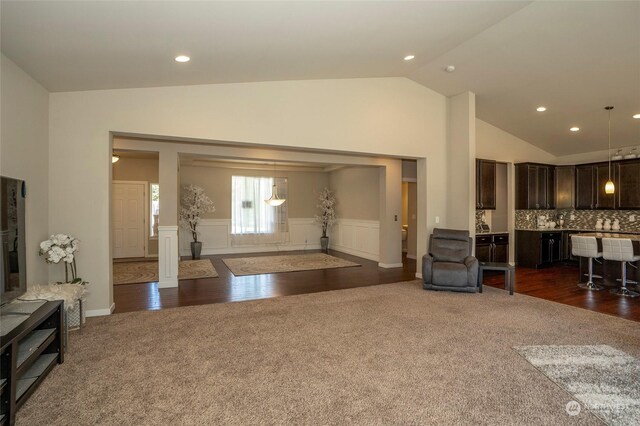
pixel 472 264
pixel 427 268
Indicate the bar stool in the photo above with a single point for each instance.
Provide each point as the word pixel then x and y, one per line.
pixel 586 247
pixel 621 250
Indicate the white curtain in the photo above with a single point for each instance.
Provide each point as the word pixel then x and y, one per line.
pixel 254 222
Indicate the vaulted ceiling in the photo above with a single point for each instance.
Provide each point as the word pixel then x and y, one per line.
pixel 571 57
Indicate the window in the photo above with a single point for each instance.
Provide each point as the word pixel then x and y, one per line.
pixel 252 220
pixel 154 209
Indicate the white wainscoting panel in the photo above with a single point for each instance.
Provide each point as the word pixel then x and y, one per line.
pixel 357 237
pixel 168 256
pixel 215 234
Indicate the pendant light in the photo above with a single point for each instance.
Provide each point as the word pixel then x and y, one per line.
pixel 609 187
pixel 114 158
pixel 274 200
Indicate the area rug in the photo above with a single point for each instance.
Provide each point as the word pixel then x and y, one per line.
pixel 145 272
pixel 287 263
pixel 380 355
pixel 605 380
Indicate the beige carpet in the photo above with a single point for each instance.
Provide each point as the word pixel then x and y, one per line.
pixel 146 272
pixel 387 354
pixel 287 263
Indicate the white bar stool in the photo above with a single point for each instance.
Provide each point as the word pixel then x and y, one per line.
pixel 621 250
pixel 586 247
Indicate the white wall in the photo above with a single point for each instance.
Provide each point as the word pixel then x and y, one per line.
pixel 24 154
pixel 493 143
pixel 382 116
pixel 357 192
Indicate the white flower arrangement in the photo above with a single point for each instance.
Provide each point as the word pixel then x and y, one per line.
pixel 62 248
pixel 327 216
pixel 195 203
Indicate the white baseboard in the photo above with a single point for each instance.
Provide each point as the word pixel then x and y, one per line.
pixel 354 252
pixel 418 275
pixel 411 256
pixel 100 312
pixel 167 283
pixel 390 265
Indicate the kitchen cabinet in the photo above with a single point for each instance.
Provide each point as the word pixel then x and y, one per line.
pixel 627 180
pixel 485 184
pixel 492 248
pixel 590 182
pixel 565 187
pixel 536 249
pixel 535 186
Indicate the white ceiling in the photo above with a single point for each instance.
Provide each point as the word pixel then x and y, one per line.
pixel 572 57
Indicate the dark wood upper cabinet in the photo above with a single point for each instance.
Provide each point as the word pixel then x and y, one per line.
pixel 590 182
pixel 486 184
pixel 585 199
pixel 627 174
pixel 565 187
pixel 535 186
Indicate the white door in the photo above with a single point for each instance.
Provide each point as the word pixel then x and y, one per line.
pixel 128 202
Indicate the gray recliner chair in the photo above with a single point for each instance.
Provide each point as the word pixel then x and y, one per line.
pixel 449 264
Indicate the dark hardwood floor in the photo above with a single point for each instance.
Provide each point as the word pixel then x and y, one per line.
pixel 229 288
pixel 557 284
pixel 560 284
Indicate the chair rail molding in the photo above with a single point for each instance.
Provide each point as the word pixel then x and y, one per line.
pixel 168 256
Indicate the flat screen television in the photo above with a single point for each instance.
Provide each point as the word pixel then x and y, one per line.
pixel 13 271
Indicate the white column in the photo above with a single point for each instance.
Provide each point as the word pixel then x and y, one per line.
pixel 461 162
pixel 391 214
pixel 168 256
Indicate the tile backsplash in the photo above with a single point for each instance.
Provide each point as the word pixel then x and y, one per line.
pixel 582 219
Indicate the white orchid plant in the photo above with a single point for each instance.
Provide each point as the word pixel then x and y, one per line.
pixel 327 216
pixel 195 203
pixel 62 248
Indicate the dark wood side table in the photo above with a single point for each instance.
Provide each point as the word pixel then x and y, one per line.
pixel 509 274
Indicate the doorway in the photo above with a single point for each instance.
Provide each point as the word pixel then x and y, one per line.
pixel 128 215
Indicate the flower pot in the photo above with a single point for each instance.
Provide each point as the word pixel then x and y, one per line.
pixel 196 248
pixel 324 244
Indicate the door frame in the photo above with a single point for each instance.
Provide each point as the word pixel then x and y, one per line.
pixel 145 219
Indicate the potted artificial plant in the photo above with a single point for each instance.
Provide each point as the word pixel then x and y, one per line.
pixel 327 216
pixel 195 203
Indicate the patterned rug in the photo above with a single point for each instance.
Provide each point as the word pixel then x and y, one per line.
pixel 605 380
pixel 287 263
pixel 146 272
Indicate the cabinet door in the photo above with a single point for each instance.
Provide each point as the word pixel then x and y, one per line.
pixel 565 187
pixel 550 186
pixel 627 185
pixel 556 249
pixel 487 184
pixel 532 188
pixel 603 201
pixel 522 187
pixel 501 252
pixel 584 187
pixel 483 253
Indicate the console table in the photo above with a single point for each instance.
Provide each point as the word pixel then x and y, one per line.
pixel 29 352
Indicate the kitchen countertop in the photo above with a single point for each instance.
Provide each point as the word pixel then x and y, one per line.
pixel 578 230
pixel 612 235
pixel 491 232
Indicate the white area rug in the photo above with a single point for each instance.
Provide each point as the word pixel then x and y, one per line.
pixel 603 379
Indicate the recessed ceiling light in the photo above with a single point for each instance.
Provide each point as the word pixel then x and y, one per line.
pixel 450 68
pixel 182 58
pixel 409 57
pixel 574 129
pixel 541 109
pixel 636 116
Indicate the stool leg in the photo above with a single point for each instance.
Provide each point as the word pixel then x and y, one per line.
pixel 623 290
pixel 590 285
